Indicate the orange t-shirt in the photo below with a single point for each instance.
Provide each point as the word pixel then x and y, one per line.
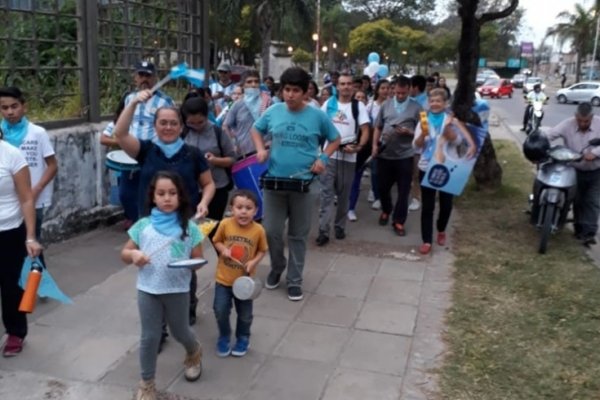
pixel 244 242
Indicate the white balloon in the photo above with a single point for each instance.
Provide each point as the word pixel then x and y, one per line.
pixel 372 68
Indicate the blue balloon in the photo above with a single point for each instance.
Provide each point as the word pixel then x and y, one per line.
pixel 383 71
pixel 373 57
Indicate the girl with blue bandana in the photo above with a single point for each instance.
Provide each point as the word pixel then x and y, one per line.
pixel 155 241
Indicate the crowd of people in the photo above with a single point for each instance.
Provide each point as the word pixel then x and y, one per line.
pixel 316 142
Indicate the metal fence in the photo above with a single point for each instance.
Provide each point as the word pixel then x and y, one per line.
pixel 74 58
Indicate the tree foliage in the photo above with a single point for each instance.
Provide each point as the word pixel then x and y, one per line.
pixel 394 10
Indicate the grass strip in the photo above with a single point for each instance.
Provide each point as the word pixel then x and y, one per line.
pixel 522 325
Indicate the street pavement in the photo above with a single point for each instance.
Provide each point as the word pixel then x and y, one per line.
pixel 370 325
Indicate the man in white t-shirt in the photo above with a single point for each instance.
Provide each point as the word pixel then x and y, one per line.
pixel 351 119
pixel 34 143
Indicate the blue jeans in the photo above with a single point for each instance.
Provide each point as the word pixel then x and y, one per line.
pixel 222 308
pixel 296 208
pixel 129 186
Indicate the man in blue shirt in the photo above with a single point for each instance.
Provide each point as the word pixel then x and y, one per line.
pixel 294 158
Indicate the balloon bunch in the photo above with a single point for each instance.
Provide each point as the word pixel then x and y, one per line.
pixel 374 68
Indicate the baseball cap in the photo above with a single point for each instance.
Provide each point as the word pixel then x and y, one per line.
pixel 224 66
pixel 145 67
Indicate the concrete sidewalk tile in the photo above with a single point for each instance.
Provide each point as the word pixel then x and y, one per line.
pixel 319 260
pixel 169 365
pixel 376 352
pixel 121 284
pixel 395 291
pixel 312 342
pixel 222 378
pixel 289 379
pixel 275 304
pixel 348 264
pixel 350 384
pixel 386 317
pixel 267 333
pixel 312 279
pixel 86 313
pixel 404 270
pixel 328 310
pixel 345 285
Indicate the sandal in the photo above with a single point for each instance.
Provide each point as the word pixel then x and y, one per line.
pixel 399 229
pixel 425 248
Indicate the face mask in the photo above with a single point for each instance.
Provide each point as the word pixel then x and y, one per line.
pixel 251 93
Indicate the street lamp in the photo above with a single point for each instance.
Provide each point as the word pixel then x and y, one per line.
pixel 290 49
pixel 324 49
pixel 315 37
pixel 237 42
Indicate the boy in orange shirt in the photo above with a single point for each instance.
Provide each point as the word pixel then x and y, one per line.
pixel 241 244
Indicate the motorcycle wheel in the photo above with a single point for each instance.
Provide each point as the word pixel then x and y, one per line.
pixel 548 210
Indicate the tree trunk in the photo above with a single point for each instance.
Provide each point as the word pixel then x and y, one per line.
pixel 265 29
pixel 487 171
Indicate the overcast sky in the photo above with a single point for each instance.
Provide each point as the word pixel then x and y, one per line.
pixel 541 14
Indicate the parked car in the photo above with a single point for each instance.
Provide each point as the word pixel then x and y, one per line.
pixel 496 88
pixel 530 82
pixel 518 80
pixel 579 92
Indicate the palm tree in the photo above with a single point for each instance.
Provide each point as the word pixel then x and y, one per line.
pixel 335 29
pixel 578 27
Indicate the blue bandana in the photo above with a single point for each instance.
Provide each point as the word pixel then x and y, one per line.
pixel 436 121
pixel 170 149
pixel 252 101
pixel 15 134
pixel 166 224
pixel 332 106
pixel 400 107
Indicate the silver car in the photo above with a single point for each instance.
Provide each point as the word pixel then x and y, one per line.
pixel 580 92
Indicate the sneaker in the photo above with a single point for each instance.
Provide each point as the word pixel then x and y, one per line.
pixel 223 346
pixel 272 280
pixel 371 196
pixel 193 365
pixel 414 205
pixel 441 238
pixel 425 248
pixel 384 219
pixel 13 346
pixel 352 216
pixel 295 293
pixel 146 390
pixel 339 233
pixel 376 205
pixel 241 347
pixel 589 240
pixel 322 240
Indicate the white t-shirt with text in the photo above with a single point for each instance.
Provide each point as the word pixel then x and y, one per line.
pixel 35 148
pixel 343 120
pixel 11 162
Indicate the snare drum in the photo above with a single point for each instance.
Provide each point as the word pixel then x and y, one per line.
pixel 118 160
pixel 246 175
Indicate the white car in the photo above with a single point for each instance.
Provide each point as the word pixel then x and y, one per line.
pixel 530 82
pixel 580 92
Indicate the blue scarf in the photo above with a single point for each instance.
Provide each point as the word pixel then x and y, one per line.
pixel 252 101
pixel 166 224
pixel 15 134
pixel 436 122
pixel 332 106
pixel 400 107
pixel 170 149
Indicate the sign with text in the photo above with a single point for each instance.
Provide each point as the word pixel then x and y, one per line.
pixel 526 48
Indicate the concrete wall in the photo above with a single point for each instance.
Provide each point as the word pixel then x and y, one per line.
pixel 81 187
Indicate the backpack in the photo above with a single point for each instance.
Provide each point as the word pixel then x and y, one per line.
pixel 218 134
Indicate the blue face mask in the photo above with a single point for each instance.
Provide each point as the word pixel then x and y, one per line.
pixel 166 223
pixel 252 101
pixel 170 149
pixel 14 133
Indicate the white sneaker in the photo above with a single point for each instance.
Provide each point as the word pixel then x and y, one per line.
pixel 415 204
pixel 371 196
pixel 352 216
pixel 376 205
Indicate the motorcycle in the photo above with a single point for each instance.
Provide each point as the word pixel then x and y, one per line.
pixel 554 186
pixel 536 113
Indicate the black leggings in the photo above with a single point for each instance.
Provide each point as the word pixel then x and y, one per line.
pixel 12 248
pixel 428 207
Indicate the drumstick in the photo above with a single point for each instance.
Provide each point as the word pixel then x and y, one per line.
pixel 299 173
pixel 153 253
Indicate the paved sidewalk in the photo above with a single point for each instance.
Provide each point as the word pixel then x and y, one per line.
pixel 369 326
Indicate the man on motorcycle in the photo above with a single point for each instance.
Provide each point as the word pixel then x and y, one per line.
pixel 533 96
pixel 576 133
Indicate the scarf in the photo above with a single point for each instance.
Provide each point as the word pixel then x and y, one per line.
pixel 436 122
pixel 15 134
pixel 400 107
pixel 332 106
pixel 166 224
pixel 252 101
pixel 170 149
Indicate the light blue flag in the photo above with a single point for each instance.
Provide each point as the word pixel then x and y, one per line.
pixel 48 287
pixel 195 77
pixel 178 71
